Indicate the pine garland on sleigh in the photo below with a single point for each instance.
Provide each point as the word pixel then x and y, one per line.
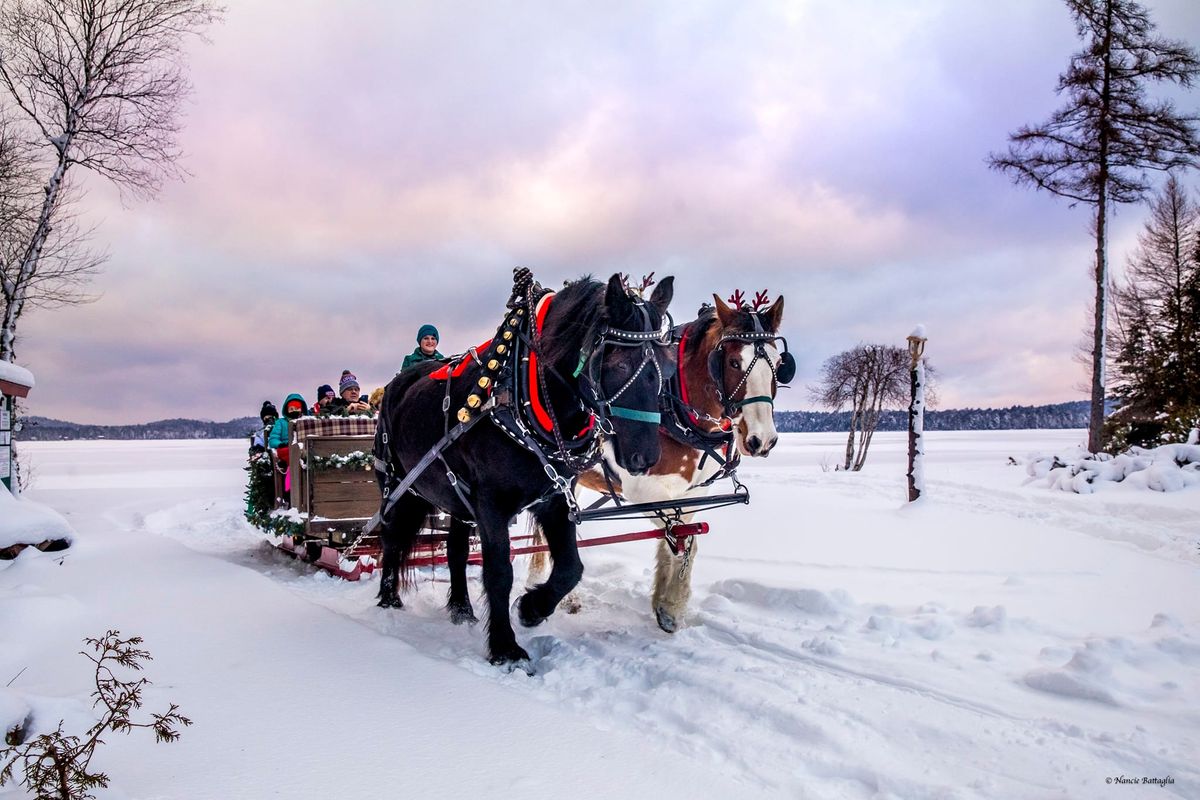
pixel 260 501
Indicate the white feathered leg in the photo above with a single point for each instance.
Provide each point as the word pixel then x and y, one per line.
pixel 673 583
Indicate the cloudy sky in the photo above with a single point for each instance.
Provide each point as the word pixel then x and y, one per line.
pixel 361 168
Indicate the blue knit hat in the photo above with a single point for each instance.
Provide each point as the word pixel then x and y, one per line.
pixel 348 381
pixel 427 330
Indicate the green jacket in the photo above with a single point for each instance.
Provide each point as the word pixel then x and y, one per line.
pixel 416 357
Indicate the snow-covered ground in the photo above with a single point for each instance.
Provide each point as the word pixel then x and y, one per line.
pixel 997 640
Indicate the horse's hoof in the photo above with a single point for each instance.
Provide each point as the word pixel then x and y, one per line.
pixel 527 617
pixel 390 602
pixel 665 620
pixel 570 604
pixel 461 614
pixel 513 658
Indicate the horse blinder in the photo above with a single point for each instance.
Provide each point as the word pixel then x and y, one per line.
pixel 787 367
pixel 716 366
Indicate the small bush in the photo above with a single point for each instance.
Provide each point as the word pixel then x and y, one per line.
pixel 56 765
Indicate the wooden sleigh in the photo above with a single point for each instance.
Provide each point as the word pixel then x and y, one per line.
pixel 333 494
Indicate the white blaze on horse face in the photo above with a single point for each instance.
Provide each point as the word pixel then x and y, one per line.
pixel 758 419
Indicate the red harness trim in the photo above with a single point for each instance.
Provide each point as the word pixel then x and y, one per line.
pixel 443 373
pixel 726 423
pixel 682 377
pixel 535 400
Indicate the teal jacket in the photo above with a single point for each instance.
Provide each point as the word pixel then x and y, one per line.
pixel 279 431
pixel 416 357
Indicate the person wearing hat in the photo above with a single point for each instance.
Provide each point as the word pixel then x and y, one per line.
pixel 268 414
pixel 427 342
pixel 350 401
pixel 293 409
pixel 325 396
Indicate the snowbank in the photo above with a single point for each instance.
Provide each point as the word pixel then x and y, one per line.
pixel 26 522
pixel 1168 468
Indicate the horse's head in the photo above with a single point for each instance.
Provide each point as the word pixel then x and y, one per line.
pixel 625 372
pixel 748 367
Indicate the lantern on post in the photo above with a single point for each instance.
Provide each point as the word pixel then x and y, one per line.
pixel 916 414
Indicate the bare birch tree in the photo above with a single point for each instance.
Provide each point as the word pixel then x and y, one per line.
pixel 867 378
pixel 1098 148
pixel 97 84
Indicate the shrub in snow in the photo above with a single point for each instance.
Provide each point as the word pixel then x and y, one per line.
pixel 55 765
pixel 1168 468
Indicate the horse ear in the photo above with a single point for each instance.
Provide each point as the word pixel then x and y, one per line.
pixel 727 315
pixel 661 298
pixel 616 299
pixel 774 316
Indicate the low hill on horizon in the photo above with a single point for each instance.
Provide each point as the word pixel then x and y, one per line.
pixel 36 428
pixel 1055 416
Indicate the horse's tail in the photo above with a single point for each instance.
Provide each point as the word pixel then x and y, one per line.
pixel 539 563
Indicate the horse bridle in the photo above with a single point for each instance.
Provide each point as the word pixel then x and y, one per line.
pixel 782 373
pixel 615 337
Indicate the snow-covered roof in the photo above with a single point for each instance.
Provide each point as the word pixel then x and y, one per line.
pixel 11 373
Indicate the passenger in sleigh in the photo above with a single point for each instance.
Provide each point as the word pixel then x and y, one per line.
pixel 258 440
pixel 427 342
pixel 293 409
pixel 376 400
pixel 325 396
pixel 351 401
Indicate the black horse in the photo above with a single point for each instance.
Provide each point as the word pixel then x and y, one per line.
pixel 596 347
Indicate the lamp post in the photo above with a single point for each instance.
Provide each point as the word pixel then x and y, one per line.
pixel 916 414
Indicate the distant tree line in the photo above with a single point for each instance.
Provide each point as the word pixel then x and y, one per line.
pixel 1061 415
pixel 40 429
pixel 1056 416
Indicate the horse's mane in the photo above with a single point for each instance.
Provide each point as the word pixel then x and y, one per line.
pixel 698 329
pixel 579 307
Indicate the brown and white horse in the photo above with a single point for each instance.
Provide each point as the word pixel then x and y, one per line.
pixel 729 371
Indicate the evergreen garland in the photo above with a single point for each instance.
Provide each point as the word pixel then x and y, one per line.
pixel 358 460
pixel 260 501
pixel 283 522
pixel 260 490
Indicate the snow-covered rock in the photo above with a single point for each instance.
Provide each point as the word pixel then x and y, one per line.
pixel 26 522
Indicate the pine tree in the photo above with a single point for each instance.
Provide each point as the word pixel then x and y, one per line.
pixel 1155 339
pixel 1098 147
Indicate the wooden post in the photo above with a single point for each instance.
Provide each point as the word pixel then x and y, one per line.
pixel 15 382
pixel 916 415
pixel 7 479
